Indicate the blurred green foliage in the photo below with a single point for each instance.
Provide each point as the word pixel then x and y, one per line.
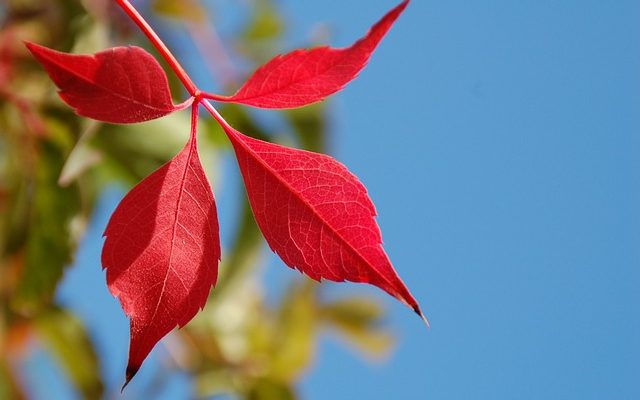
pixel 54 166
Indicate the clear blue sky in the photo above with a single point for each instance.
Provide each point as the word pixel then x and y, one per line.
pixel 500 142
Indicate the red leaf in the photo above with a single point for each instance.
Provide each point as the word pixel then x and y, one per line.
pixel 162 250
pixel 316 215
pixel 119 85
pixel 306 76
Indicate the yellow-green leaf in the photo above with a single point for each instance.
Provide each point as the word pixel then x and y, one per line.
pixel 64 336
pixel 48 220
pixel 265 389
pixel 358 320
pixel 294 338
pixel 190 10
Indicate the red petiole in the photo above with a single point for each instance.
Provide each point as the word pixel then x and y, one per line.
pixel 197 96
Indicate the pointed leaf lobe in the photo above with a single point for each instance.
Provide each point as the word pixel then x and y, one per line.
pixel 118 85
pixel 162 250
pixel 304 77
pixel 316 215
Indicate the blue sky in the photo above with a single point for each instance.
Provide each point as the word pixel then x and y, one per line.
pixel 500 142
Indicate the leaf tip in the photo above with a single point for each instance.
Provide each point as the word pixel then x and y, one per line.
pixel 131 372
pixel 32 47
pixel 35 48
pixel 417 310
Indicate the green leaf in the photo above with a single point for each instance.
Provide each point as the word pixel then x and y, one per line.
pixel 214 382
pixel 266 22
pixel 51 210
pixel 190 10
pixel 244 254
pixel 64 336
pixel 134 151
pixel 93 36
pixel 9 386
pixel 360 311
pixel 265 389
pixel 260 39
pixel 83 156
pixel 358 319
pixel 294 339
pixel 310 127
pixel 242 121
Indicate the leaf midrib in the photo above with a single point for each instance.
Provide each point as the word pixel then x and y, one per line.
pixel 313 210
pixel 175 226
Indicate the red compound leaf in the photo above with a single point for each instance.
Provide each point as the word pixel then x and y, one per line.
pixel 316 215
pixel 162 250
pixel 162 244
pixel 119 85
pixel 303 77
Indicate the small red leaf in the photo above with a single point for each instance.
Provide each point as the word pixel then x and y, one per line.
pixel 162 250
pixel 316 215
pixel 119 85
pixel 303 77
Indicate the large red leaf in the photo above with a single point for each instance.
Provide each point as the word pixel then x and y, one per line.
pixel 119 85
pixel 316 215
pixel 162 250
pixel 306 76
